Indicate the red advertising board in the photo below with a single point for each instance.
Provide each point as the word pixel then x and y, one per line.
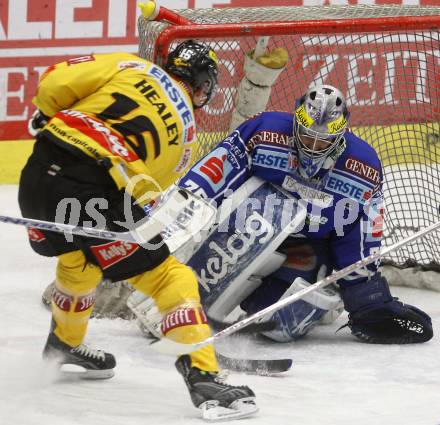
pixel 37 33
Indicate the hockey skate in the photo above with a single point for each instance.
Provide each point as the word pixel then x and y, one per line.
pixel 217 400
pixel 93 364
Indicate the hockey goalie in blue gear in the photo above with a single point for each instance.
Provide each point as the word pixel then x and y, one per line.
pixel 310 162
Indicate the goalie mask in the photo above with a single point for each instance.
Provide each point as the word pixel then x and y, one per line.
pixel 321 118
pixel 197 65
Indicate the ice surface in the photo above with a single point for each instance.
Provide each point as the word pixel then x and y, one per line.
pixel 335 380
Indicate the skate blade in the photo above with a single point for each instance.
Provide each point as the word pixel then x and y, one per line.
pixel 212 412
pixel 77 372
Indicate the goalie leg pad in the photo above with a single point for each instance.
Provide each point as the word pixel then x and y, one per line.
pixel 295 320
pixel 306 261
pixel 240 244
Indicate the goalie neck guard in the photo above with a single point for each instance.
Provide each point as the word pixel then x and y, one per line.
pixel 321 118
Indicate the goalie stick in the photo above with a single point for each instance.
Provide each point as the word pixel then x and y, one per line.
pixel 167 346
pixel 265 367
pixel 177 218
pixel 254 328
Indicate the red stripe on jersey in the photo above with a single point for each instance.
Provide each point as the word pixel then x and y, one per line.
pixel 99 132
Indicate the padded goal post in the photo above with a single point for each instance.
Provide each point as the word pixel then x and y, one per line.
pixel 385 59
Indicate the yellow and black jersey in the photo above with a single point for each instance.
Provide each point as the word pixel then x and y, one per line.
pixel 124 108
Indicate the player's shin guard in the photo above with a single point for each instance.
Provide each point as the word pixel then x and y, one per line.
pixel 73 297
pixel 174 288
pixel 188 324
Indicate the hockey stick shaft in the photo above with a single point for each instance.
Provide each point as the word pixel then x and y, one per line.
pixel 69 229
pixel 174 211
pixel 168 346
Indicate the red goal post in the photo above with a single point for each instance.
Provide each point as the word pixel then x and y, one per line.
pixel 386 60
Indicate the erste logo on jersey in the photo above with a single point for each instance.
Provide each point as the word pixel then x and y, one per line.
pixel 271 159
pixel 190 135
pixel 178 100
pixel 349 188
pixel 293 161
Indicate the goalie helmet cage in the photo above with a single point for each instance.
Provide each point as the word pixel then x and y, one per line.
pixel 385 59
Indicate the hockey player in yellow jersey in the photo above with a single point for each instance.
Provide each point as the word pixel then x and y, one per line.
pixel 101 121
pixel 123 108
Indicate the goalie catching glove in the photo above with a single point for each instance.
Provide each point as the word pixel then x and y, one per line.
pixel 376 317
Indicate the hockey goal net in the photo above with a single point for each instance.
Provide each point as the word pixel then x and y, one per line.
pixel 386 59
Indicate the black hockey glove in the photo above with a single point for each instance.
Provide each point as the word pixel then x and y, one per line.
pixel 378 318
pixel 37 122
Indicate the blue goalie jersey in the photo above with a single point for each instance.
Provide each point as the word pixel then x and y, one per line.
pixel 344 198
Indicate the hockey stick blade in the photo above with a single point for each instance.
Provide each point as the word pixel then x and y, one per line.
pixel 263 367
pixel 167 346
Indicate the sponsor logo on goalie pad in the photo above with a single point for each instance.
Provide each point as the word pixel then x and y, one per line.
pixel 242 241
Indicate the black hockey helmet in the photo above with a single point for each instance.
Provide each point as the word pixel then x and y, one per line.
pixel 197 65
